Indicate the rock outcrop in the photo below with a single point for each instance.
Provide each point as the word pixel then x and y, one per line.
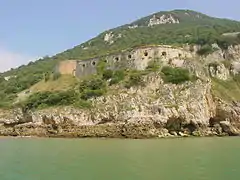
pixel 163 19
pixel 154 110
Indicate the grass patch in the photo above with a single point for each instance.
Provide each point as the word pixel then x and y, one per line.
pixel 176 75
pixel 227 90
pixel 64 82
pixel 153 66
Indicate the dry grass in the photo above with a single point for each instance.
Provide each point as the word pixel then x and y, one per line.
pixel 226 90
pixel 65 82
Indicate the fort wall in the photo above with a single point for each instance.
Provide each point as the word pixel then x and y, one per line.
pixel 137 58
pixel 67 67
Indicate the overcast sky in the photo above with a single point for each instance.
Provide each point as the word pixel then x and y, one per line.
pixel 31 29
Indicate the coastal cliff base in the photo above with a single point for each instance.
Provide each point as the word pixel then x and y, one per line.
pixel 155 110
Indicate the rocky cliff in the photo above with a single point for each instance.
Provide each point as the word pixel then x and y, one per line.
pixel 156 109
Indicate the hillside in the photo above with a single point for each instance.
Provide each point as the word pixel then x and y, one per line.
pixel 174 73
pixel 176 28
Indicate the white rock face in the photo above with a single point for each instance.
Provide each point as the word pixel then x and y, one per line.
pixel 7 78
pixel 109 38
pixel 164 19
pixel 177 62
pixel 235 67
pixel 219 71
pixel 133 26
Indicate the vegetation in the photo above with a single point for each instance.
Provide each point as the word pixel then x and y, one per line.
pixel 153 65
pixel 227 90
pixel 46 99
pixel 205 50
pixel 56 76
pixel 64 82
pixel 108 74
pixel 117 77
pixel 135 79
pixel 78 94
pixel 175 75
pixel 93 87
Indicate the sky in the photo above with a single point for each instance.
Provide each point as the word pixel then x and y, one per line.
pixel 31 29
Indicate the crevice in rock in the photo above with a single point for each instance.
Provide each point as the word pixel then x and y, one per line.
pixel 191 127
pixel 174 124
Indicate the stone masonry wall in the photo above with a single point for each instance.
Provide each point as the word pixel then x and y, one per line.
pixel 67 67
pixel 134 59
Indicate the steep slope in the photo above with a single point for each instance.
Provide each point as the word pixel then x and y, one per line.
pixel 171 27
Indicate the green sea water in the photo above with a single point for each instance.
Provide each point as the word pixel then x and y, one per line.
pixel 113 159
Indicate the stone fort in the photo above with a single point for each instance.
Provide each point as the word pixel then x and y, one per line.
pixel 137 58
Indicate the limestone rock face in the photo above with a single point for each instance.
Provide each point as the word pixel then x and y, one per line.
pixel 154 110
pixel 133 27
pixel 219 71
pixel 109 38
pixel 235 68
pixel 164 19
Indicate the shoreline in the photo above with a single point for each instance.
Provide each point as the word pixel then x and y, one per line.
pixel 146 130
pixel 119 137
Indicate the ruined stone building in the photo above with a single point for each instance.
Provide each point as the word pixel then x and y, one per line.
pixel 137 58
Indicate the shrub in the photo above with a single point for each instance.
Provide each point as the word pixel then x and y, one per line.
pixel 107 74
pixel 175 75
pixel 88 93
pixel 92 88
pixel 153 66
pixel 205 50
pixel 101 66
pixel 135 79
pixel 45 99
pixel 94 83
pixel 118 76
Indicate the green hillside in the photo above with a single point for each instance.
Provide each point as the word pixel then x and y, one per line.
pixel 193 28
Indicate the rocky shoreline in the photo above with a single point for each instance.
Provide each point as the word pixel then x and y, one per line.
pixel 68 129
pixel 156 110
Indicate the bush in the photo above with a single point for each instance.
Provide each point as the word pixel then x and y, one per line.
pixel 107 74
pixel 88 93
pixel 94 83
pixel 118 76
pixel 92 88
pixel 205 50
pixel 101 66
pixel 135 79
pixel 153 66
pixel 46 99
pixel 175 75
